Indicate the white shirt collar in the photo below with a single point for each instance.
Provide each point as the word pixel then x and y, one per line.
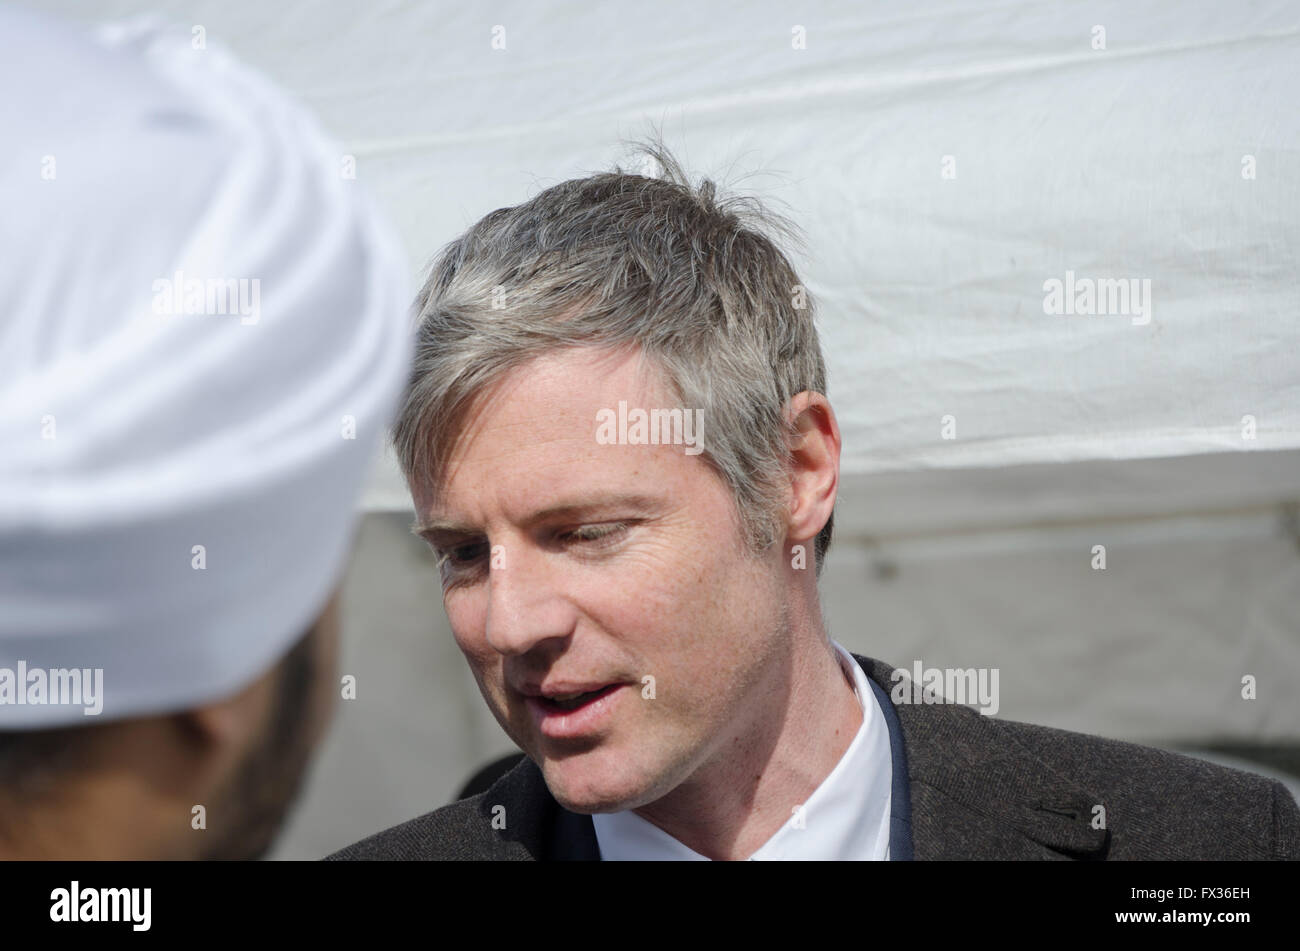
pixel 846 817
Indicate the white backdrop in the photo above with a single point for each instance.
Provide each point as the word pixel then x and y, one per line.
pixel 945 160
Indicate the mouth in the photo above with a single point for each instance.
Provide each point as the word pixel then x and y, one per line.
pixel 570 716
pixel 567 703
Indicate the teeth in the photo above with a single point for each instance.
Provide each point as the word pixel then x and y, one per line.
pixel 572 700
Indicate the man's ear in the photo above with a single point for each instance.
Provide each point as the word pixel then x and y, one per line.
pixel 230 723
pixel 814 466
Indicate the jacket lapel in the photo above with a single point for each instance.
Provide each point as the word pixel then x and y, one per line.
pixel 573 838
pixel 900 793
pixel 976 793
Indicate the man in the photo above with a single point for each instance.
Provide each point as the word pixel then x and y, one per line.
pixel 203 336
pixel 619 446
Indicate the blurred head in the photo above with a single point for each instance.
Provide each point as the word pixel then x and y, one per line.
pixel 578 557
pixel 131 788
pixel 257 792
pixel 203 336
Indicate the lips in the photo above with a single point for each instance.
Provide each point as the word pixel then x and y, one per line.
pixel 562 689
pixel 570 714
pixel 572 700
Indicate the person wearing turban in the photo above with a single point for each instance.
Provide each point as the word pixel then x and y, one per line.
pixel 203 337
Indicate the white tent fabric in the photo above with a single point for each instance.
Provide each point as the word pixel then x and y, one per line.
pixel 947 161
pixel 1124 162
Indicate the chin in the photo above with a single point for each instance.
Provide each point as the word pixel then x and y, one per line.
pixel 585 785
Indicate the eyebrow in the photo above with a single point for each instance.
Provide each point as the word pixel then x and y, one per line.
pixel 574 508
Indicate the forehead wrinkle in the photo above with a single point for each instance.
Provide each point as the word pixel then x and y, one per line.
pixel 540 427
pixel 479 406
pixel 523 454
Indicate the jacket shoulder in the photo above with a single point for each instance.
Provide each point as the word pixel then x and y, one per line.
pixel 1161 804
pixel 508 821
pixel 439 834
pixel 993 774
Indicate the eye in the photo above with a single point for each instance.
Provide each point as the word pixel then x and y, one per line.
pixel 462 565
pixel 596 534
pixel 468 563
pixel 461 556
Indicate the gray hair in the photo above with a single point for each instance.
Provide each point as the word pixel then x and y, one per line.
pixel 619 259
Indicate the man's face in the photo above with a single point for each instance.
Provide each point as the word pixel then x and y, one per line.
pixel 572 565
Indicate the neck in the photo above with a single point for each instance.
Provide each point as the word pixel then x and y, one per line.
pixel 772 764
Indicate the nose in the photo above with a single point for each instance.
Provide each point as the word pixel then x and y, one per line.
pixel 526 602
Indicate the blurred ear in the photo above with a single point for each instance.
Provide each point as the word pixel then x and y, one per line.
pixel 815 466
pixel 232 722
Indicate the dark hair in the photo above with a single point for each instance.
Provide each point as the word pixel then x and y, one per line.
pixel 37 765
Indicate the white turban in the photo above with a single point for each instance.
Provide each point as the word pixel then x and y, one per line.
pixel 202 337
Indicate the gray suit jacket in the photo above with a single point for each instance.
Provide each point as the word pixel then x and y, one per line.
pixel 979 788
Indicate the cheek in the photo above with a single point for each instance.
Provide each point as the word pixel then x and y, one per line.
pixel 466 615
pixel 677 616
pixel 725 617
pixel 467 621
pixel 646 603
